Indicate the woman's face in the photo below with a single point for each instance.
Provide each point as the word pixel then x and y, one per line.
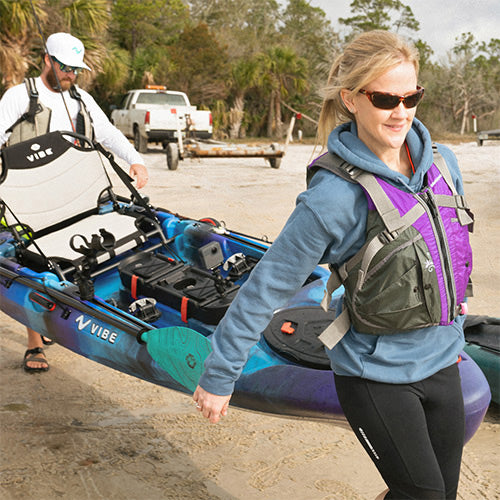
pixel 384 130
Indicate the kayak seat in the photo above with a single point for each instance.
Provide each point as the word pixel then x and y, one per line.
pixel 55 195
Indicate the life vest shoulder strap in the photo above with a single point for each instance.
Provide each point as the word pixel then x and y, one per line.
pixel 393 221
pixel 456 200
pixel 33 106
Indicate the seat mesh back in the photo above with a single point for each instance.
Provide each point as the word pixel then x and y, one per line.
pixel 49 180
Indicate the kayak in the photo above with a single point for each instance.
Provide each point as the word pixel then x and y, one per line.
pixel 482 334
pixel 141 289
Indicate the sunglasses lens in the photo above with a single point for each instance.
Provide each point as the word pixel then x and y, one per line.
pixel 68 69
pixel 412 100
pixel 65 68
pixel 384 101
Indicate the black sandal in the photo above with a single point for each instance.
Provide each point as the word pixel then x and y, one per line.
pixel 31 355
pixel 46 340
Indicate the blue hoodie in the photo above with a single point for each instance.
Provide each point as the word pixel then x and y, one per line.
pixel 329 225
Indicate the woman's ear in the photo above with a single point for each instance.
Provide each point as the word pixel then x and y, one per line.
pixel 347 99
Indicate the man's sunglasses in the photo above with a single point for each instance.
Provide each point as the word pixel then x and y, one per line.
pixel 384 100
pixel 65 68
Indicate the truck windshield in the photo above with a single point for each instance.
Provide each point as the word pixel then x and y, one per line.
pixel 161 99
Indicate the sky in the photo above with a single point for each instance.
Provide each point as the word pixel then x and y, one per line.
pixel 441 21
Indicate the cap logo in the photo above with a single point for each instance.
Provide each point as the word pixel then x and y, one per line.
pixel 76 49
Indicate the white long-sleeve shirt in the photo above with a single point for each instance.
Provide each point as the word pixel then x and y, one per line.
pixel 15 102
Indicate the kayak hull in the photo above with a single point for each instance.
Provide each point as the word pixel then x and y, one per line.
pixel 104 331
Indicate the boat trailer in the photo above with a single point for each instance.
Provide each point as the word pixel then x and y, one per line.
pixel 195 148
pixel 190 147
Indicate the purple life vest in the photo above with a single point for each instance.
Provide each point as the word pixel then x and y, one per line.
pixel 447 240
pixel 413 271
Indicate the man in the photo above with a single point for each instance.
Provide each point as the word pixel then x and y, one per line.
pixel 53 102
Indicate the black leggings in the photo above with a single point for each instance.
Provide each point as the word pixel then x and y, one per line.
pixel 414 433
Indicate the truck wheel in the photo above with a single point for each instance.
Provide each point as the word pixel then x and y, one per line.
pixel 172 156
pixel 140 142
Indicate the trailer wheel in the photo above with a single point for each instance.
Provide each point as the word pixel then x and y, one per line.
pixel 172 156
pixel 140 142
pixel 275 162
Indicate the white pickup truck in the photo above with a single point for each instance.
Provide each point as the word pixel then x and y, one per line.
pixel 155 114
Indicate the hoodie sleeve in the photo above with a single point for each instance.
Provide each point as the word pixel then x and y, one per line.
pixel 321 226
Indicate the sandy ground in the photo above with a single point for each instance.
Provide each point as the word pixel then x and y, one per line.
pixel 83 431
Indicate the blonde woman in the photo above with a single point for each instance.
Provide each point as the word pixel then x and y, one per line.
pixel 397 381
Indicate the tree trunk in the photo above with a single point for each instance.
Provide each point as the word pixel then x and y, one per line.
pixel 277 115
pixel 464 116
pixel 236 116
pixel 270 116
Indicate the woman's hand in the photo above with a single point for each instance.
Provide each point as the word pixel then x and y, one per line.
pixel 210 405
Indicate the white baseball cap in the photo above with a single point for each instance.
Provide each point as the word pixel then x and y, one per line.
pixel 66 49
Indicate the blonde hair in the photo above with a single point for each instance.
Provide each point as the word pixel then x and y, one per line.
pixel 365 59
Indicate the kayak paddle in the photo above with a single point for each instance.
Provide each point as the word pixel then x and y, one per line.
pixel 180 351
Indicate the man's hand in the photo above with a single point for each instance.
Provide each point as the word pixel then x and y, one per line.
pixel 140 174
pixel 210 405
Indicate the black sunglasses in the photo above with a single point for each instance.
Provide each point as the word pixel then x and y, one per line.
pixel 65 68
pixel 384 100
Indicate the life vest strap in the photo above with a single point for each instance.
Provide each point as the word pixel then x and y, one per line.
pixel 336 330
pixel 460 204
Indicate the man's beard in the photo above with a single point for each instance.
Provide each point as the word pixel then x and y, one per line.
pixel 65 82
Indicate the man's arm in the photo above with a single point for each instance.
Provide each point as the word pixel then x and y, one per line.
pixel 111 138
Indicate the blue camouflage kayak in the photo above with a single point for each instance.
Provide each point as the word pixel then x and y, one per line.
pixel 141 289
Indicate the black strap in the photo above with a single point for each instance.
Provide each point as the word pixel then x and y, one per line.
pixel 33 105
pixel 333 163
pixel 33 94
pixel 80 120
pixel 127 180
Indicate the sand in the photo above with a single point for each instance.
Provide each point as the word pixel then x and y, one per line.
pixel 84 431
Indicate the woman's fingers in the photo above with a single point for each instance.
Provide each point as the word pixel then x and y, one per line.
pixel 210 405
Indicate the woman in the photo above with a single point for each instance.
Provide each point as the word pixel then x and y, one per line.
pixel 400 393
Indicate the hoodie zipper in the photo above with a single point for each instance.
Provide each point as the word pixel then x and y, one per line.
pixel 428 200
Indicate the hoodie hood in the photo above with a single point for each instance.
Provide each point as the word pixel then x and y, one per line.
pixel 344 142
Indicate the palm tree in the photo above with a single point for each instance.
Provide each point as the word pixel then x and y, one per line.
pixel 245 75
pixel 21 42
pixel 18 38
pixel 283 72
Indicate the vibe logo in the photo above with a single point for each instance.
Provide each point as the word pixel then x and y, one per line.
pixel 38 153
pixel 88 326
